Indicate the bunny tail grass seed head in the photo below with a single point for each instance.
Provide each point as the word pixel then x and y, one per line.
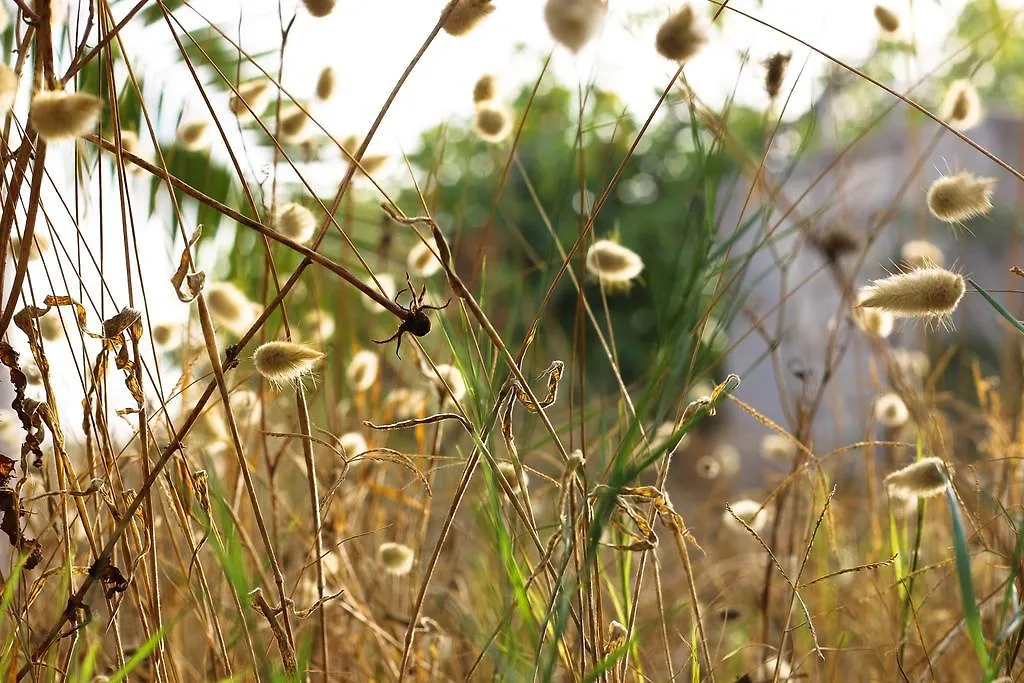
pixel 484 89
pixel 166 335
pixel 255 94
pixel 874 321
pixel 352 444
pixel 612 263
pixel 319 8
pixel 466 15
pixel 283 362
pixel 708 467
pixel 325 83
pixel 778 449
pixel 50 327
pixel 961 107
pixel 422 260
pixel 960 197
pixel 775 72
pixel 919 293
pixel 888 21
pixel 41 245
pixel 922 479
pixel 891 411
pixel 449 381
pixel 492 122
pixel 387 286
pixel 194 135
pixel 228 305
pixel 295 125
pixel 681 36
pixel 296 222
pixel 396 559
pixel 766 672
pixel 749 511
pixel 507 470
pixel 922 254
pixel 58 115
pixel 319 323
pixel 574 23
pixel 8 88
pixel 363 370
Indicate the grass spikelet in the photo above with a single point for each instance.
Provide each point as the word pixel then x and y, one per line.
pixel 891 411
pixel 466 15
pixel 255 94
pixel 228 305
pixel 58 115
pixel 775 72
pixel 387 284
pixel 492 122
pixel 960 197
pixel 422 259
pixel 750 512
pixel 681 36
pixel 297 222
pixel 319 8
pixel 920 293
pixel 485 89
pixel 451 376
pixel 508 471
pixel 961 106
pixel 8 88
pixel 888 21
pixel 777 448
pixel 283 362
pixel 574 23
pixel 613 263
pixel 194 135
pixel 325 84
pixel 363 370
pixel 922 254
pixel 352 444
pixel 395 558
pixel 921 479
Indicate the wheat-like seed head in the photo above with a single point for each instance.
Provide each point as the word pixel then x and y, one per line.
pixel 681 36
pixel 283 362
pixel 58 115
pixel 919 293
pixel 325 84
pixel 363 370
pixel 466 15
pixel 492 122
pixel 960 197
pixel 887 20
pixel 319 8
pixel 574 23
pixel 922 479
pixel 296 222
pixel 891 411
pixel 775 72
pixel 395 558
pixel 961 106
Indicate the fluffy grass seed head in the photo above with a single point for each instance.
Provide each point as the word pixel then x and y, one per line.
pixel 295 125
pixel 194 135
pixel 363 370
pixel 8 88
pixel 50 327
pixel 325 84
pixel 922 254
pixel 404 403
pixel 283 362
pixel 890 410
pixel 492 122
pixel 319 323
pixel 228 306
pixel 456 384
pixel 874 321
pixel 922 479
pixel 766 672
pixel 319 8
pixel 777 448
pixel 613 264
pixel 888 21
pixel 58 115
pixel 466 15
pixel 681 36
pixel 508 471
pixel 296 222
pixel 957 198
pixel 422 260
pixel 255 94
pixel 41 245
pixel 775 72
pixel 749 511
pixel 167 335
pixel 387 285
pixel 574 23
pixel 913 364
pixel 919 293
pixel 352 444
pixel 485 88
pixel 395 558
pixel 708 467
pixel 961 106
pixel 728 457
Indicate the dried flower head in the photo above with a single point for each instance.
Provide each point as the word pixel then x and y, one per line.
pixel 8 88
pixel 352 444
pixel 749 511
pixel 449 381
pixel 887 20
pixel 874 321
pixel 194 135
pixel 924 478
pixel 296 222
pixel 615 636
pixel 508 471
pixel 363 370
pixel 959 197
pixel 59 115
pixel 775 72
pixel 228 306
pixel 890 410
pixel 492 122
pixel 922 254
pixel 422 260
pixel 284 362
pixel 923 292
pixel 613 263
pixel 319 8
pixel 388 287
pixel 574 23
pixel 484 89
pixel 319 323
pixel 961 107
pixel 395 558
pixel 466 15
pixel 256 95
pixel 777 448
pixel 681 36
pixel 325 83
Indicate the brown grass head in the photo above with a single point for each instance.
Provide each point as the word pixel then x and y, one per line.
pixel 467 15
pixel 775 72
pixel 484 89
pixel 492 122
pixel 325 84
pixel 612 263
pixel 319 8
pixel 681 36
pixel 296 222
pixel 395 558
pixel 194 135
pixel 961 106
pixel 888 21
pixel 256 95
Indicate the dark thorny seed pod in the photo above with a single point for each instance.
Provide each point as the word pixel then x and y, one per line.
pixel 775 72
pixel 834 243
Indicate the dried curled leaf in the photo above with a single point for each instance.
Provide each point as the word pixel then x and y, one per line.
pixel 195 281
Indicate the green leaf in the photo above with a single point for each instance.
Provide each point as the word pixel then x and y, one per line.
pixel 972 617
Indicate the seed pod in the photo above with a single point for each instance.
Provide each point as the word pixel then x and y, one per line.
pixel 891 411
pixel 319 8
pixel 492 123
pixel 8 88
pixel 613 263
pixel 887 20
pixel 960 197
pixel 921 254
pixel 422 260
pixel 924 292
pixel 255 94
pixel 325 84
pixel 680 37
pixel 961 107
pixel 775 72
pixel 296 222
pixel 750 512
pixel 284 362
pixel 924 478
pixel 573 23
pixel 466 15
pixel 194 135
pixel 58 115
pixel 362 370
pixel 395 558
pixel 484 89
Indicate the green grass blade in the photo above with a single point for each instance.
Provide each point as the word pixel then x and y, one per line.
pixel 963 570
pixel 999 308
